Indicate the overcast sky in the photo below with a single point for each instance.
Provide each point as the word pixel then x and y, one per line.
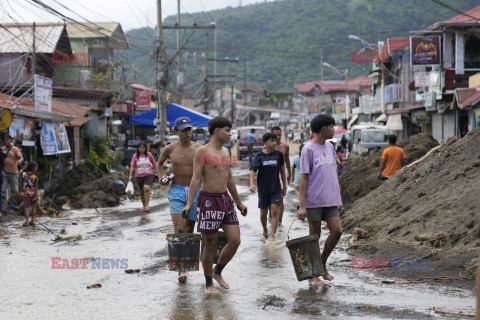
pixel 131 14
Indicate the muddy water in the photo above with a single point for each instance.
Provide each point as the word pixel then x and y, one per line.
pixel 257 275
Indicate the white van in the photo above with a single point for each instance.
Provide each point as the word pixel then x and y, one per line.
pixel 366 137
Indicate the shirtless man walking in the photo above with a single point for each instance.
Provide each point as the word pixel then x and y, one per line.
pixel 181 153
pixel 285 149
pixel 211 171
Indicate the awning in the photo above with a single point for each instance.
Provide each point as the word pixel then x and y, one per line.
pixel 405 110
pixel 352 121
pixel 381 118
pixel 174 111
pixel 395 122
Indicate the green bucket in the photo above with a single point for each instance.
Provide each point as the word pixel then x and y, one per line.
pixel 183 251
pixel 306 257
pixel 221 243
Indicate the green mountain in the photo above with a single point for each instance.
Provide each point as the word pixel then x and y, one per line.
pixel 282 41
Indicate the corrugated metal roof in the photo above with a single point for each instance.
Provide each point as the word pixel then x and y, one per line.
pixel 91 30
pixel 111 31
pixel 18 38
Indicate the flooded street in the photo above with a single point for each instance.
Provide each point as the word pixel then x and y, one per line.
pixel 260 275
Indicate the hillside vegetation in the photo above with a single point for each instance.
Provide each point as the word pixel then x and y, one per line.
pixel 282 40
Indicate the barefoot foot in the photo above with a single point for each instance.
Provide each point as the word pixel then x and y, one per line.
pixel 221 282
pixel 212 290
pixel 326 275
pixel 182 278
pixel 316 282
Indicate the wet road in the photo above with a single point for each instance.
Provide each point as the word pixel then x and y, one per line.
pixel 31 289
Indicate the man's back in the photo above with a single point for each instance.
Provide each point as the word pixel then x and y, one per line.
pixel 393 157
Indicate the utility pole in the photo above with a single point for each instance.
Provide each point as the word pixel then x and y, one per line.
pixel 160 76
pixel 34 62
pixel 179 58
pixel 205 79
pixel 244 73
pixel 232 108
pixel 321 64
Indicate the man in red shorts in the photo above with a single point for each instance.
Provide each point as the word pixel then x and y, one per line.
pixel 215 209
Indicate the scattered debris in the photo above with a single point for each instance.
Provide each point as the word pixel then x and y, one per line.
pixel 96 285
pixel 129 271
pixel 453 312
pixel 268 302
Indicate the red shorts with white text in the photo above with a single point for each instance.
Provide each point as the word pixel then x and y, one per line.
pixel 215 210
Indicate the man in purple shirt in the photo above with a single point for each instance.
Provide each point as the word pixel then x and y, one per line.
pixel 319 188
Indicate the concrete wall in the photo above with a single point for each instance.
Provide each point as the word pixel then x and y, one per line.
pixel 443 132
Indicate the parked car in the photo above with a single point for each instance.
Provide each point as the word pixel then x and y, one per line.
pixel 367 137
pixel 201 136
pixel 242 140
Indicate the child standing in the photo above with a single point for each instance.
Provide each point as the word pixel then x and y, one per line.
pixel 296 171
pixel 269 163
pixel 30 189
pixel 319 189
pixel 340 160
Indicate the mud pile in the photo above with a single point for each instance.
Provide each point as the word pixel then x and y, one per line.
pixel 361 175
pixel 431 209
pixel 83 188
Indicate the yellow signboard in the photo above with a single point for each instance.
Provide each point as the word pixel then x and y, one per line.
pixel 5 119
pixel 341 109
pixel 474 80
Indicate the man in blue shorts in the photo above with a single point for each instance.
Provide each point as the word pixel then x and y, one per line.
pixel 270 165
pixel 181 154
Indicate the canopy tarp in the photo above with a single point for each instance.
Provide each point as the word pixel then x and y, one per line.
pixel 174 111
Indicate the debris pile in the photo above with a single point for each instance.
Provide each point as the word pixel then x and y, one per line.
pixel 430 208
pixel 361 175
pixel 83 188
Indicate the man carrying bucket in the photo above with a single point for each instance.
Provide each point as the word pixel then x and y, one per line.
pixel 319 188
pixel 181 153
pixel 215 209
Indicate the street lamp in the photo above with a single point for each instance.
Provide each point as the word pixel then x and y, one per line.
pixel 347 99
pixel 375 47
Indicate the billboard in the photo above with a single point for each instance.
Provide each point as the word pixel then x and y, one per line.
pixel 43 93
pixel 143 100
pixel 23 129
pixel 54 138
pixel 425 51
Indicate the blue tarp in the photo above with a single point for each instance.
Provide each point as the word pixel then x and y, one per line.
pixel 174 111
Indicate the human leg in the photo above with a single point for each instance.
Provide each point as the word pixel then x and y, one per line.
pixel 275 219
pixel 233 237
pixel 177 202
pixel 209 250
pixel 280 212
pixel 335 226
pixel 315 227
pixel 26 210
pixel 34 212
pixel 263 220
pixel 140 183
pixel 146 195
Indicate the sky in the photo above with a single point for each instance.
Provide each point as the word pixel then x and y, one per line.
pixel 131 14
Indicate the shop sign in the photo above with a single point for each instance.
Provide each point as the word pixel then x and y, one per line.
pixel 43 93
pixel 420 117
pixel 425 50
pixel 23 128
pixel 54 139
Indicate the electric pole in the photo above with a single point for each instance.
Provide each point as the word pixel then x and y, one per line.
pixel 244 74
pixel 160 77
pixel 232 106
pixel 179 58
pixel 34 62
pixel 205 78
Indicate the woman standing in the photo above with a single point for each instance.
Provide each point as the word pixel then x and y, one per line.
pixel 142 163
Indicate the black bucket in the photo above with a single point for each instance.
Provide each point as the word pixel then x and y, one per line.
pixel 183 251
pixel 306 257
pixel 221 243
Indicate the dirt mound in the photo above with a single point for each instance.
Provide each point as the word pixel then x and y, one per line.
pixel 361 175
pixel 431 206
pixel 83 188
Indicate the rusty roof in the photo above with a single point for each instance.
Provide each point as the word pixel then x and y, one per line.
pixel 18 38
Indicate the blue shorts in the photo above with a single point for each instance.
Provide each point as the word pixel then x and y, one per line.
pixel 266 199
pixel 177 197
